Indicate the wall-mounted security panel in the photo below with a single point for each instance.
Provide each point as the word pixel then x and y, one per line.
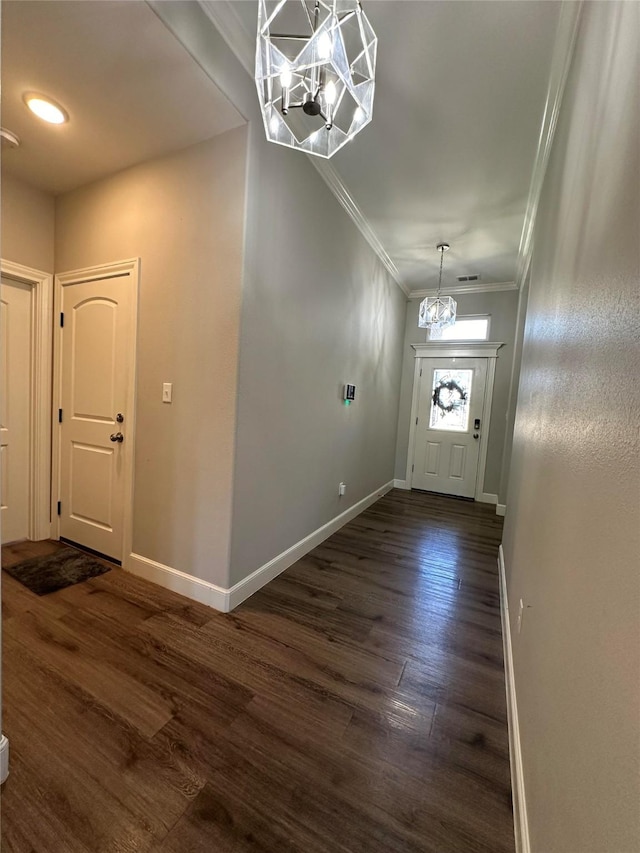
pixel 349 393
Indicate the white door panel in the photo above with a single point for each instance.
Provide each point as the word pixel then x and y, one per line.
pixel 16 329
pixel 447 443
pixel 95 380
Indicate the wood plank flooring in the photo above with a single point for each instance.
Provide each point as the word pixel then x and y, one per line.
pixel 354 705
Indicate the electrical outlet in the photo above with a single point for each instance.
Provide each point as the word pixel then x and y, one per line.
pixel 342 488
pixel 520 612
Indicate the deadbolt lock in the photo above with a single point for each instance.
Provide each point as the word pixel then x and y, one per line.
pixel 120 418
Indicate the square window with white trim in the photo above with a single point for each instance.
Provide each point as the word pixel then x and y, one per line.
pixel 472 327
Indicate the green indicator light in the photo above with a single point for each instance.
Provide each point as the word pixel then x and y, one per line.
pixel 347 402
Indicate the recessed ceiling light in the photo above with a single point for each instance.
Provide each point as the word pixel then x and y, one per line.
pixel 45 108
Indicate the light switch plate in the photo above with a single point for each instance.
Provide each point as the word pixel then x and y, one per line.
pixel 167 390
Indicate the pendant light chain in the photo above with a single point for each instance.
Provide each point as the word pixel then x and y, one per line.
pixel 436 312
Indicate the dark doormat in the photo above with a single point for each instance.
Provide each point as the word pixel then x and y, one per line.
pixel 56 571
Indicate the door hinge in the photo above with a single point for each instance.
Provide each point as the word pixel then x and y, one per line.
pixel 420 371
pixel 59 507
pixel 416 421
pixel 61 320
pixel 59 416
pixel 412 467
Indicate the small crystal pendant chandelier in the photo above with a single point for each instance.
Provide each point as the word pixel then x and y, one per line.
pixel 315 72
pixel 437 311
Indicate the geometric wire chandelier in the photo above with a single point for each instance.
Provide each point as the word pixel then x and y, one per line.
pixel 315 72
pixel 438 311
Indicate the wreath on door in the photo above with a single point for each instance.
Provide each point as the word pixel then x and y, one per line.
pixel 452 387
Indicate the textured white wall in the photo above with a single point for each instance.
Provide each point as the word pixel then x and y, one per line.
pixel 571 537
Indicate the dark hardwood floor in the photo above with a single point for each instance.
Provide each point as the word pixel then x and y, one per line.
pixel 354 705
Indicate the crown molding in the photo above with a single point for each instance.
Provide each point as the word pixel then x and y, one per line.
pixel 225 19
pixel 563 49
pixel 489 287
pixel 340 191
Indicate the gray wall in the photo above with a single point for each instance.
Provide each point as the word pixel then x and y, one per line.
pixel 502 306
pixel 318 310
pixel 183 216
pixel 28 220
pixel 571 538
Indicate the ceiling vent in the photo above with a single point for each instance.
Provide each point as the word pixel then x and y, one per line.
pixel 468 277
pixel 9 139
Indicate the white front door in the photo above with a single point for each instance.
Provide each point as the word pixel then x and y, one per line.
pixel 447 434
pixel 96 372
pixel 16 325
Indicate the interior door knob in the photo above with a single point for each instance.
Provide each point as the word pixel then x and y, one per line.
pixel 475 435
pixel 117 436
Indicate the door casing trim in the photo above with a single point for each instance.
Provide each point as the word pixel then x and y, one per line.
pixel 103 271
pixel 457 349
pixel 40 395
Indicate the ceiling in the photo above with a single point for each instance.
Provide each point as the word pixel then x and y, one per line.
pixel 131 90
pixel 449 155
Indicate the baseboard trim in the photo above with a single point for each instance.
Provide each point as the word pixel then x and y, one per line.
pixel 4 759
pixel 501 509
pixel 253 582
pixel 402 484
pixel 487 498
pixel 226 599
pixel 177 581
pixel 520 821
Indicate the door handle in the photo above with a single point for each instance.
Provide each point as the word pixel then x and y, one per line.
pixel 475 435
pixel 117 436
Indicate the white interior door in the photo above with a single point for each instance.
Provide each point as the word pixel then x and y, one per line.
pixel 96 373
pixel 16 329
pixel 450 417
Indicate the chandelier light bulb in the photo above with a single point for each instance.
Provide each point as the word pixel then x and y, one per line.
pixel 325 47
pixel 330 93
pixel 285 78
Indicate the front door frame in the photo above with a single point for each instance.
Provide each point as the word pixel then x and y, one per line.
pixel 40 393
pixel 457 349
pixel 115 270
